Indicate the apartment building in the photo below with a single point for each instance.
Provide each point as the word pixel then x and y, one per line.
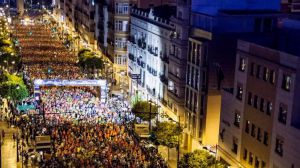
pixel 148 51
pixel 290 6
pixel 214 31
pixel 260 114
pixel 112 32
pixel 78 16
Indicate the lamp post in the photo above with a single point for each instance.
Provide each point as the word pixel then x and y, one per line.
pixel 178 142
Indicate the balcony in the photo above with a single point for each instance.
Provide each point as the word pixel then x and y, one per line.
pixel 132 40
pixel 176 79
pixel 164 58
pixel 131 57
pixel 179 100
pixel 142 44
pixel 141 63
pixel 163 79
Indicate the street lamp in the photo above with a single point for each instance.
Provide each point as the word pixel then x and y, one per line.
pixel 178 142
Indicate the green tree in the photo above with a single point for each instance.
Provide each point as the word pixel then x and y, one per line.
pixel 12 87
pixel 199 159
pixel 166 134
pixel 141 109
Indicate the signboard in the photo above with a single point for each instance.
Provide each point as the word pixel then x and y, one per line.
pixel 58 82
pixel 135 76
pixel 142 130
pixel 43 142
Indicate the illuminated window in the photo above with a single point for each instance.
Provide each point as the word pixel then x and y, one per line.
pixel 122 8
pixel 272 76
pixel 239 93
pixel 282 113
pixel 279 146
pixel 259 134
pixel 269 108
pixel 237 119
pixel 247 127
pixel 266 75
pixel 286 82
pixel 242 65
pixel 250 161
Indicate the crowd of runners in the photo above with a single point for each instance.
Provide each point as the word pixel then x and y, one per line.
pixel 84 132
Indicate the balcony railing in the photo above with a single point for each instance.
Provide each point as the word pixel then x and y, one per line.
pixel 163 79
pixel 164 58
pixel 142 44
pixel 131 57
pixel 132 39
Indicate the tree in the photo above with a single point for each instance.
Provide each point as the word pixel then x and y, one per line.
pixel 141 109
pixel 199 159
pixel 12 87
pixel 166 134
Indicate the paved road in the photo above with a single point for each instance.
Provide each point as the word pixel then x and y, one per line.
pixel 9 153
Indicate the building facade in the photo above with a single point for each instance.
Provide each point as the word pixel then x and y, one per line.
pixel 112 32
pixel 260 116
pixel 148 51
pixel 78 18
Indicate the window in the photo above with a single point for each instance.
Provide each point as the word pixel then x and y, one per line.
pixel 266 74
pixel 120 42
pixel 237 119
pixel 120 60
pixel 242 65
pixel 279 146
pixel 234 145
pixel 286 82
pixel 269 108
pixel 247 128
pixel 266 138
pixel 239 94
pixel 258 71
pixel 250 161
pixel 256 163
pixel 255 101
pixel 253 130
pixel 252 69
pixel 262 105
pixel 250 99
pixel 282 113
pixel 272 77
pixel 258 134
pixel 122 8
pixel 245 155
pixel 121 25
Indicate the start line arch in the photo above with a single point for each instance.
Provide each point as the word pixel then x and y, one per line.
pixel 57 82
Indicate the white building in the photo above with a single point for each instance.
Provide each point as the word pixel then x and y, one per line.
pixel 148 51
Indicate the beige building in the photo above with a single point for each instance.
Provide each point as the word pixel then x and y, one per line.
pixel 259 124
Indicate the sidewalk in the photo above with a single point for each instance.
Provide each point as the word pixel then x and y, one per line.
pixel 9 150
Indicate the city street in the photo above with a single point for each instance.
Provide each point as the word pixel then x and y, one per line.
pixel 9 150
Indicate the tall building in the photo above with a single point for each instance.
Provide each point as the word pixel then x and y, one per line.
pixel 260 115
pixel 290 6
pixel 148 51
pixel 78 16
pixel 112 32
pixel 215 28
